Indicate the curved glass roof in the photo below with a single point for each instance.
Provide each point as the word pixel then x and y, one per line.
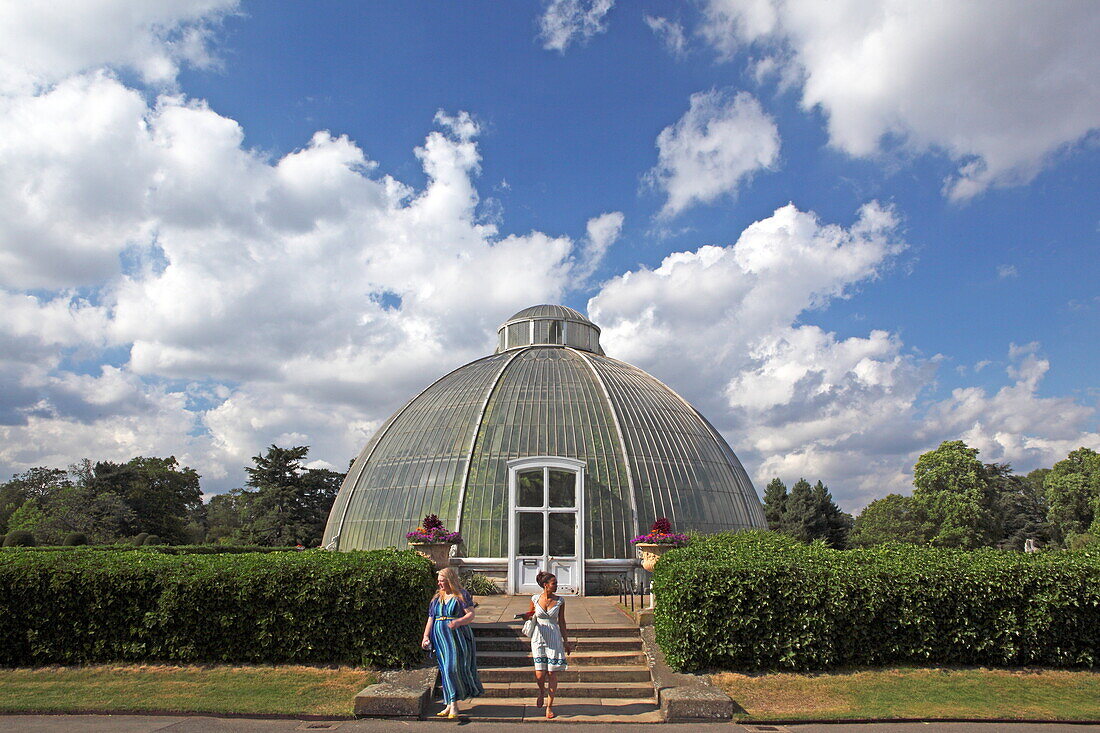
pixel 648 454
pixel 551 311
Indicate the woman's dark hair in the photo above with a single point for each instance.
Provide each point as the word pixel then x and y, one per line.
pixel 543 578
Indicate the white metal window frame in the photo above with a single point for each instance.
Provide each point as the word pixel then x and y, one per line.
pixel 546 463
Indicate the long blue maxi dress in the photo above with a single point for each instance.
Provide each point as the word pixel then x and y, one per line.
pixel 454 649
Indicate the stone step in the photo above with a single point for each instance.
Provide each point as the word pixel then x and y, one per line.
pixel 623 690
pixel 584 644
pixel 515 629
pixel 523 659
pixel 574 710
pixel 592 673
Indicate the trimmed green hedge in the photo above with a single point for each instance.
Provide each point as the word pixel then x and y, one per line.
pixel 163 549
pixel 761 601
pixel 79 607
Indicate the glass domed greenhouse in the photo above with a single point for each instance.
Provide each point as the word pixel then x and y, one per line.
pixel 545 454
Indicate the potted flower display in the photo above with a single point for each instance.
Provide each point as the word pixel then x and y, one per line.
pixel 432 540
pixel 657 542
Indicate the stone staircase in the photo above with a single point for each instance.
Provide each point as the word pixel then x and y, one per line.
pixel 608 679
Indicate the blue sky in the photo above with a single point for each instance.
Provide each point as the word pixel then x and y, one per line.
pixel 846 232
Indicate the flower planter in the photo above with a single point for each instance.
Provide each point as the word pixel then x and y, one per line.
pixel 650 553
pixel 438 552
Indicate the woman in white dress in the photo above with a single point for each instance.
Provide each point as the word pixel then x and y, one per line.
pixel 550 642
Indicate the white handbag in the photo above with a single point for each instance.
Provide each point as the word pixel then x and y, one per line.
pixel 529 626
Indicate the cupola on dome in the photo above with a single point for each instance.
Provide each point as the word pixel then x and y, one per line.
pixel 545 454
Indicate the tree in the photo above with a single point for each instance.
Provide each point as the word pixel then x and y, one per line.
pixel 952 488
pixel 290 503
pixel 893 518
pixel 775 504
pixel 1019 507
pixel 35 483
pixel 160 494
pixel 1072 489
pixel 803 519
pixel 836 524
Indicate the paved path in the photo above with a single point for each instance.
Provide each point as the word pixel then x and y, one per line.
pixel 199 724
pixel 580 610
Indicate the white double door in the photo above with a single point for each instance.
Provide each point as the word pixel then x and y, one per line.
pixel 545 528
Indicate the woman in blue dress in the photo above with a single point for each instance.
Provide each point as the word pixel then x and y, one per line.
pixel 447 633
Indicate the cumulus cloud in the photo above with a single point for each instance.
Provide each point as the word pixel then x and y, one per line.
pixel 564 22
pixel 1001 88
pixel 796 400
pixel 709 152
pixel 43 43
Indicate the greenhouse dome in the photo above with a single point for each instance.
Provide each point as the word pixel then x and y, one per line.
pixel 545 454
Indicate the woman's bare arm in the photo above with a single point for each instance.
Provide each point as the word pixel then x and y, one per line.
pixel 466 618
pixel 426 641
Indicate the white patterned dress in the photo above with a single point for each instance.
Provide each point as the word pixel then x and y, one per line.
pixel 547 646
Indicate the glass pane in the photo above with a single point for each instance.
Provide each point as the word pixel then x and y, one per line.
pixel 562 488
pixel 529 541
pixel 542 332
pixel 529 488
pixel 519 334
pixel 555 332
pixel 562 533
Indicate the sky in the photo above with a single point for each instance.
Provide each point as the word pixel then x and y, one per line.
pixel 844 231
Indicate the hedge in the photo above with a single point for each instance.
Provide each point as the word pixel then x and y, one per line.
pixel 164 549
pixel 79 607
pixel 761 601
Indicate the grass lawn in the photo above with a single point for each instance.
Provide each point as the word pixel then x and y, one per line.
pixel 290 690
pixel 916 693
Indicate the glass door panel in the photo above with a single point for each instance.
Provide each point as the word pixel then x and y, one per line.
pixel 563 488
pixel 563 534
pixel 529 488
pixel 529 534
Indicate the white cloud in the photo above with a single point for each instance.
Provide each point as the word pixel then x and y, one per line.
pixel 567 21
pixel 670 32
pixel 1006 271
pixel 795 400
pixel 1000 87
pixel 603 231
pixel 719 142
pixel 43 43
pixel 235 294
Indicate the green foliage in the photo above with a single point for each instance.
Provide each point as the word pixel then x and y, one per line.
pixel 74 539
pixel 162 549
pixel 758 601
pixel 893 518
pixel 952 488
pixel 82 606
pixel 288 504
pixel 1073 491
pixel 478 584
pixel 140 538
pixel 19 538
pixel 775 503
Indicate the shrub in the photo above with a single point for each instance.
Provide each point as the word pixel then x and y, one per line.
pixel 162 549
pixel 73 539
pixel 19 538
pixel 478 584
pixel 139 539
pixel 757 600
pixel 82 606
pixel 152 540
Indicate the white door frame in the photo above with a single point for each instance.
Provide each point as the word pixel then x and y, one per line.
pixel 548 462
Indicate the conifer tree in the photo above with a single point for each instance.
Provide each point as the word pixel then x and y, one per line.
pixel 775 504
pixel 802 519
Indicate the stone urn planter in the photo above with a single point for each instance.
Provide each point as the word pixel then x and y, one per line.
pixel 438 552
pixel 650 553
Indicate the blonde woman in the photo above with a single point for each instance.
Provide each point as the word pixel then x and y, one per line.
pixel 447 633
